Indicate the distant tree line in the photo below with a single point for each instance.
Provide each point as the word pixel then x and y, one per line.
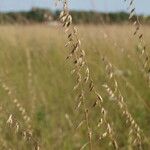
pixel 92 17
pixel 34 16
pixel 80 17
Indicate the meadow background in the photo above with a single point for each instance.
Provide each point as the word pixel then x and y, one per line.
pixel 37 100
pixel 49 97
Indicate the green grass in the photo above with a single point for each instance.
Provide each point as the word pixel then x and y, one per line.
pixel 52 83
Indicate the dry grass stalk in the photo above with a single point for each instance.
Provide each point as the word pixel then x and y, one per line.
pixel 15 125
pixel 133 89
pixel 17 104
pixel 26 134
pixel 141 47
pixel 83 75
pixel 67 21
pixel 31 89
pixel 115 94
pixel 3 142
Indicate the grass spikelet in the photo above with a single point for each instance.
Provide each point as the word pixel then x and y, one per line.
pixel 17 104
pixel 143 54
pixel 115 94
pixel 84 80
pixel 18 129
pixel 25 133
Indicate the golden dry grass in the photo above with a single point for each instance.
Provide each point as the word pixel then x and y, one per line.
pixel 33 66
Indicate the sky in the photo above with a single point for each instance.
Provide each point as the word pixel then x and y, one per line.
pixel 142 6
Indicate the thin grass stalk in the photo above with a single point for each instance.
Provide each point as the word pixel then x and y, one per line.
pixel 31 88
pixel 135 132
pixel 18 129
pixel 143 54
pixel 77 55
pixel 17 104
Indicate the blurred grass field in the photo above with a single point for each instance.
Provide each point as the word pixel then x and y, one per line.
pixel 49 98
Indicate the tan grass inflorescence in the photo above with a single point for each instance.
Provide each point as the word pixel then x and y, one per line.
pixel 90 124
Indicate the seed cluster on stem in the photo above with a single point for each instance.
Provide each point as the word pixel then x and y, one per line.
pixel 84 80
pixel 143 54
